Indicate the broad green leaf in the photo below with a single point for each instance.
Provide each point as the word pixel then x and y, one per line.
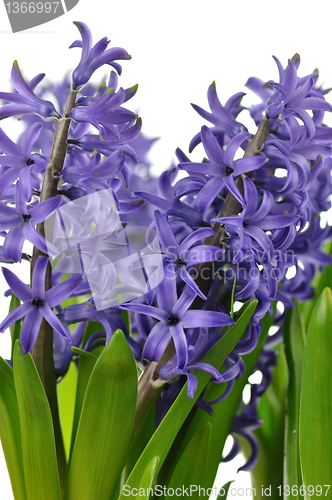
pixel 66 390
pixel 105 425
pixel 141 441
pixel 85 367
pixel 10 432
pixel 224 490
pixel 15 328
pixel 225 410
pixel 191 467
pixel 316 396
pixel 162 439
pixel 38 445
pixel 320 281
pixel 294 343
pixel 268 471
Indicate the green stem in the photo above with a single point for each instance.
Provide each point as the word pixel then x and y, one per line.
pixel 42 353
pixel 149 390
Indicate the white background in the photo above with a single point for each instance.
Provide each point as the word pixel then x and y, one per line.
pixel 178 48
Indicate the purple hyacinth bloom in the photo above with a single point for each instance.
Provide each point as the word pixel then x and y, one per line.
pixel 37 303
pixel 173 317
pixel 25 101
pixel 94 57
pixel 105 111
pixel 20 163
pixel 198 345
pixel 222 168
pixel 188 253
pixel 222 117
pixel 21 221
pixel 256 218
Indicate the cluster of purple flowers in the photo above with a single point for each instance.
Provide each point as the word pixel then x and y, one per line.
pixel 246 218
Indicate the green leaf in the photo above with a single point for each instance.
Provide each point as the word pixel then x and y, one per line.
pixel 190 469
pixel 105 425
pixel 10 431
pixel 268 472
pixel 66 390
pixel 320 281
pixel 85 367
pixel 316 396
pixel 294 343
pixel 38 445
pixel 162 439
pixel 224 490
pixel 15 328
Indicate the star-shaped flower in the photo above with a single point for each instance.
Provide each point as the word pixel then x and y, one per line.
pixel 37 303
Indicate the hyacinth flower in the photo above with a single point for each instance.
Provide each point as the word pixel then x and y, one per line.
pixel 94 57
pixel 173 317
pixel 188 253
pixel 250 225
pixel 222 168
pixel 24 101
pixel 105 111
pixel 222 117
pixel 20 225
pixel 20 163
pixel 37 303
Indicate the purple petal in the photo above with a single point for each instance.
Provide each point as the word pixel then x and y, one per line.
pixel 192 384
pixel 21 290
pixel 145 309
pixel 30 329
pixel 165 235
pixel 60 292
pixel 32 235
pixel 198 235
pixel 233 146
pixel 230 183
pixel 208 193
pixel 180 343
pixel 30 137
pixel 166 291
pixel 15 315
pixel 212 146
pixel 248 164
pixel 157 342
pixel 13 245
pixel 185 276
pixel 20 85
pixel 197 319
pixel 43 210
pixel 38 277
pixel 204 253
pixel 184 302
pixel 264 241
pixel 54 321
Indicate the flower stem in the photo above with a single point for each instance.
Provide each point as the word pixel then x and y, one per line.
pixel 42 353
pixel 149 390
